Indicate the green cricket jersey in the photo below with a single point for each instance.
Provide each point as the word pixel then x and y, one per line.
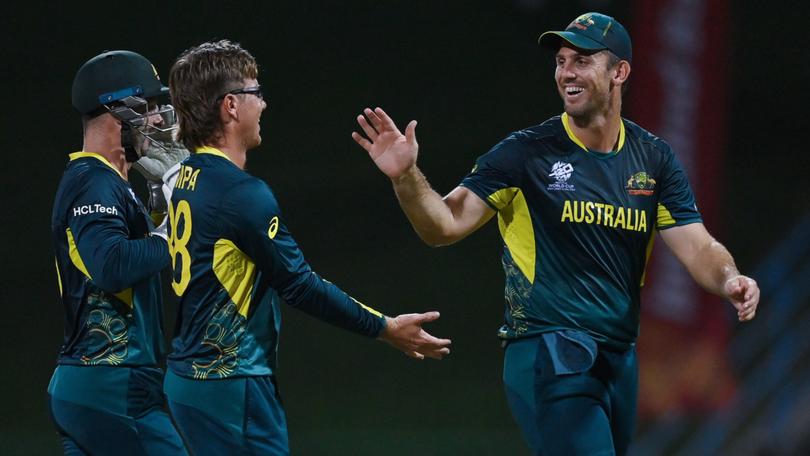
pixel 233 257
pixel 578 226
pixel 107 268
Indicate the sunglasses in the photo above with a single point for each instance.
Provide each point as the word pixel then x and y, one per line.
pixel 256 90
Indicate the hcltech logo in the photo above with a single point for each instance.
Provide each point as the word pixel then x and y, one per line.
pixel 561 172
pixel 94 209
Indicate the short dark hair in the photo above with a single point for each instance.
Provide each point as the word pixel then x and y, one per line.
pixel 197 81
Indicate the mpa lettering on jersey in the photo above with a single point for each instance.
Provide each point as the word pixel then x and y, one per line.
pixel 626 218
pixel 187 178
pixel 94 209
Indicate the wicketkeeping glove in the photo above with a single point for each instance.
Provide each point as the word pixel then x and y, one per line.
pixel 158 158
pixel 154 163
pixel 159 153
pixel 169 179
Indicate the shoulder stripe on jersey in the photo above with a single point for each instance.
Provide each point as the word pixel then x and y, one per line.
pixel 73 252
pixel 78 155
pixel 502 198
pixel 126 297
pixel 664 218
pixel 236 272
pixel 579 143
pixel 647 255
pixel 515 225
pixel 58 276
pixel 369 309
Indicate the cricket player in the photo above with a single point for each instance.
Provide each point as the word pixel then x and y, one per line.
pixel 578 199
pixel 105 394
pixel 233 259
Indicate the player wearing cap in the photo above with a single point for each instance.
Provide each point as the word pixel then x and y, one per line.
pixel 579 199
pixel 105 394
pixel 233 259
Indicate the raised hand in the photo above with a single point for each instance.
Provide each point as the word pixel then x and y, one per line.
pixel 392 152
pixel 405 333
pixel 743 293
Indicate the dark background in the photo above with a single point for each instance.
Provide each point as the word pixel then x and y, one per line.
pixel 470 73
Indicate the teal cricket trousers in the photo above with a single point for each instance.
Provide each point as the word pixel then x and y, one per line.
pixel 116 411
pixel 238 416
pixel 570 397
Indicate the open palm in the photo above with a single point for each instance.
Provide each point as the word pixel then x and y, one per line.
pixel 392 152
pixel 405 333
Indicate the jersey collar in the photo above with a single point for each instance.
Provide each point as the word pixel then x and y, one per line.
pixel 579 143
pixel 212 151
pixel 83 154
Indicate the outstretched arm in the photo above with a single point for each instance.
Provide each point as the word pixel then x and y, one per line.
pixel 405 333
pixel 257 228
pixel 712 266
pixel 437 220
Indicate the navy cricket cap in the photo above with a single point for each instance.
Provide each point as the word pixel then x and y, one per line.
pixel 593 32
pixel 112 76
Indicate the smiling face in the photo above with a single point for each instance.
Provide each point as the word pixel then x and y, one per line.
pixel 585 81
pixel 251 108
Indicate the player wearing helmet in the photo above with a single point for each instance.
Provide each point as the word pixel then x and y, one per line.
pixel 105 394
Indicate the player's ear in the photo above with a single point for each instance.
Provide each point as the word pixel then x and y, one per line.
pixel 621 72
pixel 228 109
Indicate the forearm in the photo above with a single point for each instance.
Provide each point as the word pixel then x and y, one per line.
pixel 325 301
pixel 711 266
pixel 426 210
pixel 123 263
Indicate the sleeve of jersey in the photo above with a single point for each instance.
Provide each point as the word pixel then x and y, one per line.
pixel 496 176
pixel 256 220
pixel 676 202
pixel 100 244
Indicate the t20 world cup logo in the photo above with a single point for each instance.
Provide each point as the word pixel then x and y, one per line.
pixel 561 171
